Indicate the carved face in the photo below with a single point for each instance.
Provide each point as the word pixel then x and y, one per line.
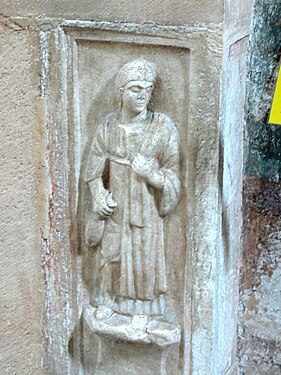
pixel 136 95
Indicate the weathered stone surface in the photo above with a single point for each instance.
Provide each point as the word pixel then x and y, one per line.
pixel 263 141
pixel 236 31
pixel 231 201
pixel 96 59
pixel 138 329
pixel 42 156
pixel 260 329
pixel 59 152
pixel 167 11
pixel 260 313
pixel 21 282
pixel 237 19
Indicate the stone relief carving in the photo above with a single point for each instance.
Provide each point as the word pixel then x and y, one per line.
pixel 133 175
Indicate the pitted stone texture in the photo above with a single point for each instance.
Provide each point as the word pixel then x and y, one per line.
pixel 260 327
pixel 260 313
pixel 263 140
pixel 166 11
pixel 226 315
pixel 199 151
pixel 20 281
pixel 237 18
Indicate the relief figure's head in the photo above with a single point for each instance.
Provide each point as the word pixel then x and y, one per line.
pixel 135 82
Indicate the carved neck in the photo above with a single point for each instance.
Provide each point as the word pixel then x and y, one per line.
pixel 129 117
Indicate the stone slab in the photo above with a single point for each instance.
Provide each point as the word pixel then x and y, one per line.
pixel 166 11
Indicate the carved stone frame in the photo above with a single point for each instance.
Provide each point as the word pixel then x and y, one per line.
pixel 59 115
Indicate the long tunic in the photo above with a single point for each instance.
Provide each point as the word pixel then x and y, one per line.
pixel 131 266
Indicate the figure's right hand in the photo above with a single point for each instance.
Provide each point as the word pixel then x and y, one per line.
pixel 103 206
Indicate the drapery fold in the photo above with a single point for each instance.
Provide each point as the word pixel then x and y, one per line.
pixel 132 254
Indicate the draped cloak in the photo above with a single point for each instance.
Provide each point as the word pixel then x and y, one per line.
pixel 131 272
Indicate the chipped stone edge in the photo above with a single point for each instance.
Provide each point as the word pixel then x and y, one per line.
pixel 151 28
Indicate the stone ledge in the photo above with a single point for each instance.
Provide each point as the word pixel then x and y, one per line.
pixel 137 329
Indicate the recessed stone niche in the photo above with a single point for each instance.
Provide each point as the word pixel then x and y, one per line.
pixel 98 65
pixel 80 63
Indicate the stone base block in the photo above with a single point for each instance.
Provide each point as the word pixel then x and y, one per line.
pixel 122 345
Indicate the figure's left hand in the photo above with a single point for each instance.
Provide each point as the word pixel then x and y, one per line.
pixel 142 166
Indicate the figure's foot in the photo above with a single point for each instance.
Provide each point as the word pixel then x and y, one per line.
pixel 103 312
pixel 137 329
pixel 162 332
pixel 139 321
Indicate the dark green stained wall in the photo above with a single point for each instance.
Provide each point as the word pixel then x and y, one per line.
pixel 263 141
pixel 259 344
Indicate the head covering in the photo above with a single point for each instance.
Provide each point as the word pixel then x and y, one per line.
pixel 136 70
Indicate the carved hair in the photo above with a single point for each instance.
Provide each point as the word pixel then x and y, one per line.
pixel 136 70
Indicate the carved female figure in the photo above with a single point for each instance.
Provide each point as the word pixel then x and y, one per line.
pixel 133 175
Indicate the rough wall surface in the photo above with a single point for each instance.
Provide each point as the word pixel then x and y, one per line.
pixel 20 262
pixel 231 194
pixel 166 11
pixel 236 34
pixel 259 330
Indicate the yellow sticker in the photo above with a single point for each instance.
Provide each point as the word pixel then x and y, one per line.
pixel 275 113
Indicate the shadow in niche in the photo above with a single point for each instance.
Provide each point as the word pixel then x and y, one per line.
pixel 225 228
pixel 75 346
